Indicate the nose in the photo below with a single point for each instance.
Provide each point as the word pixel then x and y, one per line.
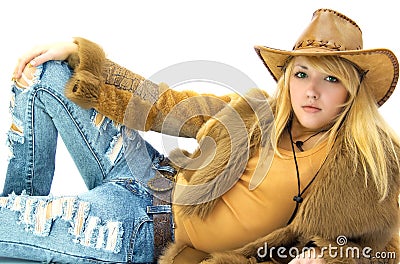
pixel 312 92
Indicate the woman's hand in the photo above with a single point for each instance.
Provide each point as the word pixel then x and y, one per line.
pixel 42 53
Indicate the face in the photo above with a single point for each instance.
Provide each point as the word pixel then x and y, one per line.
pixel 317 98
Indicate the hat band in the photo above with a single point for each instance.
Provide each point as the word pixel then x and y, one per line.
pixel 312 43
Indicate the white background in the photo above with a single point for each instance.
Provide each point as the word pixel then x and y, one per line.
pixel 147 36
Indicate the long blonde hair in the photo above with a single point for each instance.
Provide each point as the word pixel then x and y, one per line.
pixel 367 137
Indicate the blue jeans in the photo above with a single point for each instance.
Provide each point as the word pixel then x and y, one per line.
pixel 111 222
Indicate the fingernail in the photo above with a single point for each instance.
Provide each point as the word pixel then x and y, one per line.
pixel 32 63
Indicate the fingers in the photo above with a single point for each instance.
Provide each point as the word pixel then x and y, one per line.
pixel 34 57
pixel 41 54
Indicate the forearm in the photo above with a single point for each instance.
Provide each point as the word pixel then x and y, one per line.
pixel 130 99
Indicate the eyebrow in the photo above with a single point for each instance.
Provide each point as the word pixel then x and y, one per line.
pixel 301 66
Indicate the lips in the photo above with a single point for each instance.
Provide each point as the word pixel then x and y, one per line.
pixel 311 109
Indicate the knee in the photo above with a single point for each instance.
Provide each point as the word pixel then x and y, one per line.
pixel 27 77
pixel 52 76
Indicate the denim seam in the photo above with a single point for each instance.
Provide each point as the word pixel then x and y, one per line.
pixel 31 144
pixel 133 238
pixel 77 125
pixel 63 253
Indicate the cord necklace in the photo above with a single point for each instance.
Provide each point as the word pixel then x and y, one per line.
pixel 299 144
pixel 298 198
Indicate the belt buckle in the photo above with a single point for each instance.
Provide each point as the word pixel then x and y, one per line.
pixel 165 176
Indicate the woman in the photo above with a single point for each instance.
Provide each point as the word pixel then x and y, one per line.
pixel 333 180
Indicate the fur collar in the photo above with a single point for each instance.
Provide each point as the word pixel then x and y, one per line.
pixel 226 142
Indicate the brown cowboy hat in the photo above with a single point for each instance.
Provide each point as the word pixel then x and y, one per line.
pixel 332 33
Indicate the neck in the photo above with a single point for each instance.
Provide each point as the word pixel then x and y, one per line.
pixel 302 138
pixel 300 132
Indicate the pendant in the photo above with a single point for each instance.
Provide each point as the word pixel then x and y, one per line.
pixel 298 199
pixel 299 145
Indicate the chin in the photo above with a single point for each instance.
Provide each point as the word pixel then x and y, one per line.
pixel 313 125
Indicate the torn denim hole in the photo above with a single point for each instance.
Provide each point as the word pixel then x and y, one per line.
pixel 25 81
pixel 96 235
pixel 115 147
pixel 68 207
pixel 16 131
pixel 14 136
pixel 29 77
pixel 80 214
pixel 37 214
pixel 97 119
pixel 17 124
pixel 130 134
pixel 12 102
pixel 101 123
pixel 91 235
pixel 113 235
pixel 15 91
pixel 3 202
pixel 43 220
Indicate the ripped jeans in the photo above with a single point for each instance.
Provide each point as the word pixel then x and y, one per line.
pixel 110 223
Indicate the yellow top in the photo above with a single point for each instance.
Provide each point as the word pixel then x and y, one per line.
pixel 243 215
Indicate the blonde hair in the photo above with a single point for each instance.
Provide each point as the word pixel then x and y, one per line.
pixel 367 137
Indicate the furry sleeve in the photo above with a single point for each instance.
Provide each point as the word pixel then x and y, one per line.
pixel 130 99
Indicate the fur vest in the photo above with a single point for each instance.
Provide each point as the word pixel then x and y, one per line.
pixel 340 211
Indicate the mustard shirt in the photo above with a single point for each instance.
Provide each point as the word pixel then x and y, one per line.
pixel 243 215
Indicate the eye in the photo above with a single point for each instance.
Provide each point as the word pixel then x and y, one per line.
pixel 332 79
pixel 300 75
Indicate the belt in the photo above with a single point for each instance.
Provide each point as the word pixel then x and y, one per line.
pixel 163 225
pixel 162 185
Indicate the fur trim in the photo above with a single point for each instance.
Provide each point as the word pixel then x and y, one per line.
pixel 182 113
pixel 214 168
pixel 180 254
pixel 170 253
pixel 109 88
pixel 83 87
pixel 73 60
pixel 231 258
